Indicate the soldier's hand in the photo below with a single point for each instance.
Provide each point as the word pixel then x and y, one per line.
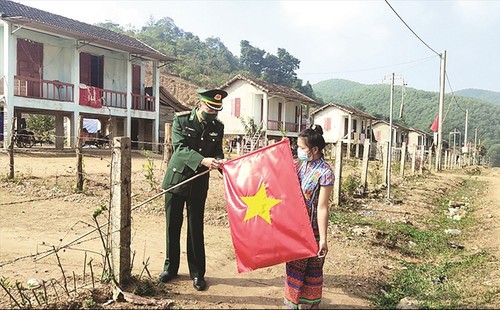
pixel 210 163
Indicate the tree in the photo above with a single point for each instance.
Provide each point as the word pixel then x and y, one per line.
pixel 43 126
pixel 494 155
pixel 252 59
pixel 280 69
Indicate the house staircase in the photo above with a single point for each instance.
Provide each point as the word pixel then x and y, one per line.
pixel 252 142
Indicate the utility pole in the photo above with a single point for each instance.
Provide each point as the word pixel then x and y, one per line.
pixel 465 133
pixel 475 146
pixel 391 104
pixel 403 94
pixel 441 108
pixel 389 152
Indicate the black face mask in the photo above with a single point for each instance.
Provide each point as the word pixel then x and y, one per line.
pixel 209 117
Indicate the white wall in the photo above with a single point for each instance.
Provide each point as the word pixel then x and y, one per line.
pixel 337 123
pixel 1 50
pixel 250 99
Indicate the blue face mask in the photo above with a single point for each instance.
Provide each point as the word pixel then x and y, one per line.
pixel 303 155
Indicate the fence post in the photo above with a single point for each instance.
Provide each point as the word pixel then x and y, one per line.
pixel 11 150
pixel 421 166
pixel 338 173
pixel 79 157
pixel 430 159
pixel 403 158
pixel 120 210
pixel 446 155
pixel 385 160
pixel 413 159
pixel 167 145
pixel 364 168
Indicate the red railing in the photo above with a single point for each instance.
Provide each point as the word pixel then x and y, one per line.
pixel 60 91
pixel 289 127
pixel 113 98
pixel 143 102
pixel 273 125
pixel 44 89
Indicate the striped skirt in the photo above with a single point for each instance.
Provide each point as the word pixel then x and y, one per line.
pixel 304 282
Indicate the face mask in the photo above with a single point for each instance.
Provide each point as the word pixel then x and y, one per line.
pixel 303 155
pixel 208 116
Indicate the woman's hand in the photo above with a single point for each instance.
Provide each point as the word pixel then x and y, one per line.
pixel 323 249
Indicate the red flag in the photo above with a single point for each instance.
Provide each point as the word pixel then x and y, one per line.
pixel 435 124
pixel 266 210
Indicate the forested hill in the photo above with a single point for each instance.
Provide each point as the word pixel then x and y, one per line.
pixel 420 107
pixel 486 95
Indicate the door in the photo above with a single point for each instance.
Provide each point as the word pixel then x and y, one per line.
pixel 30 66
pixel 92 70
pixel 136 87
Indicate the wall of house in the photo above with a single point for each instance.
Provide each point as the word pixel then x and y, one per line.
pixel 414 137
pixel 57 54
pixel 2 66
pixel 56 60
pixel 381 132
pixel 115 67
pixel 250 99
pixel 336 123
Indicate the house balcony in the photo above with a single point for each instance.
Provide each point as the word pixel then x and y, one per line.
pixel 92 96
pixel 289 126
pixel 43 89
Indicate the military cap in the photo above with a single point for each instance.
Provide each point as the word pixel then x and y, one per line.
pixel 213 98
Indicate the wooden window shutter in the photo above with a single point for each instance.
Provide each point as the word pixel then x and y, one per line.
pixel 236 107
pixel 328 124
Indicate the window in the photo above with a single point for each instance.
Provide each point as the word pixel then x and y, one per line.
pixel 236 107
pixel 328 124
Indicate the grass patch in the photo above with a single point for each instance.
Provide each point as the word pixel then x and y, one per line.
pixel 446 277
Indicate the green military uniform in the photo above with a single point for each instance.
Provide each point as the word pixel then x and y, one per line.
pixel 192 141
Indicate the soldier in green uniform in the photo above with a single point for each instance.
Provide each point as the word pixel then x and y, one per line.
pixel 197 138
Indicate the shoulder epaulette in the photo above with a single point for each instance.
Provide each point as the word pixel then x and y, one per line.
pixel 218 120
pixel 183 113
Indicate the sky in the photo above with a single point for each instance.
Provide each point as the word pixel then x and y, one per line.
pixel 361 41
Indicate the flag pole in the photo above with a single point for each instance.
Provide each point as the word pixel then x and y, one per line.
pixel 171 188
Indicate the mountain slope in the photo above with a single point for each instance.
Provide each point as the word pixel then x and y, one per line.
pixel 420 108
pixel 486 95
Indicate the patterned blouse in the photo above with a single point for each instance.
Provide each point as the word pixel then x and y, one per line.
pixel 312 175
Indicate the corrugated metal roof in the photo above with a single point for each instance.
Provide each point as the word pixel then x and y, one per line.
pixel 35 19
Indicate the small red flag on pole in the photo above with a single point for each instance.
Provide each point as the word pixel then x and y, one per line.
pixel 435 124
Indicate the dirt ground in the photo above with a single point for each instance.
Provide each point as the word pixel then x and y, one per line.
pixel 41 210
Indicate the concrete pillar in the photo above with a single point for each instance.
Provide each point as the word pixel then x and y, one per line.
pixel 120 213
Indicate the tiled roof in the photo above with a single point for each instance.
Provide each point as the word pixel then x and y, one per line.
pixel 36 19
pixel 167 99
pixel 395 125
pixel 347 109
pixel 273 89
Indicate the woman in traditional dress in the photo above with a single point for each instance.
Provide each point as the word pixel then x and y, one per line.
pixel 304 277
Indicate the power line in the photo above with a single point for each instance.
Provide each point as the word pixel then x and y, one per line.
pixel 411 29
pixel 421 60
pixel 452 92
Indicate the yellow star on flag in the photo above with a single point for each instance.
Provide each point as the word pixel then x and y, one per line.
pixel 260 205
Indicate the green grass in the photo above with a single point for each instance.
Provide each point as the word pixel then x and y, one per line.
pixel 445 277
